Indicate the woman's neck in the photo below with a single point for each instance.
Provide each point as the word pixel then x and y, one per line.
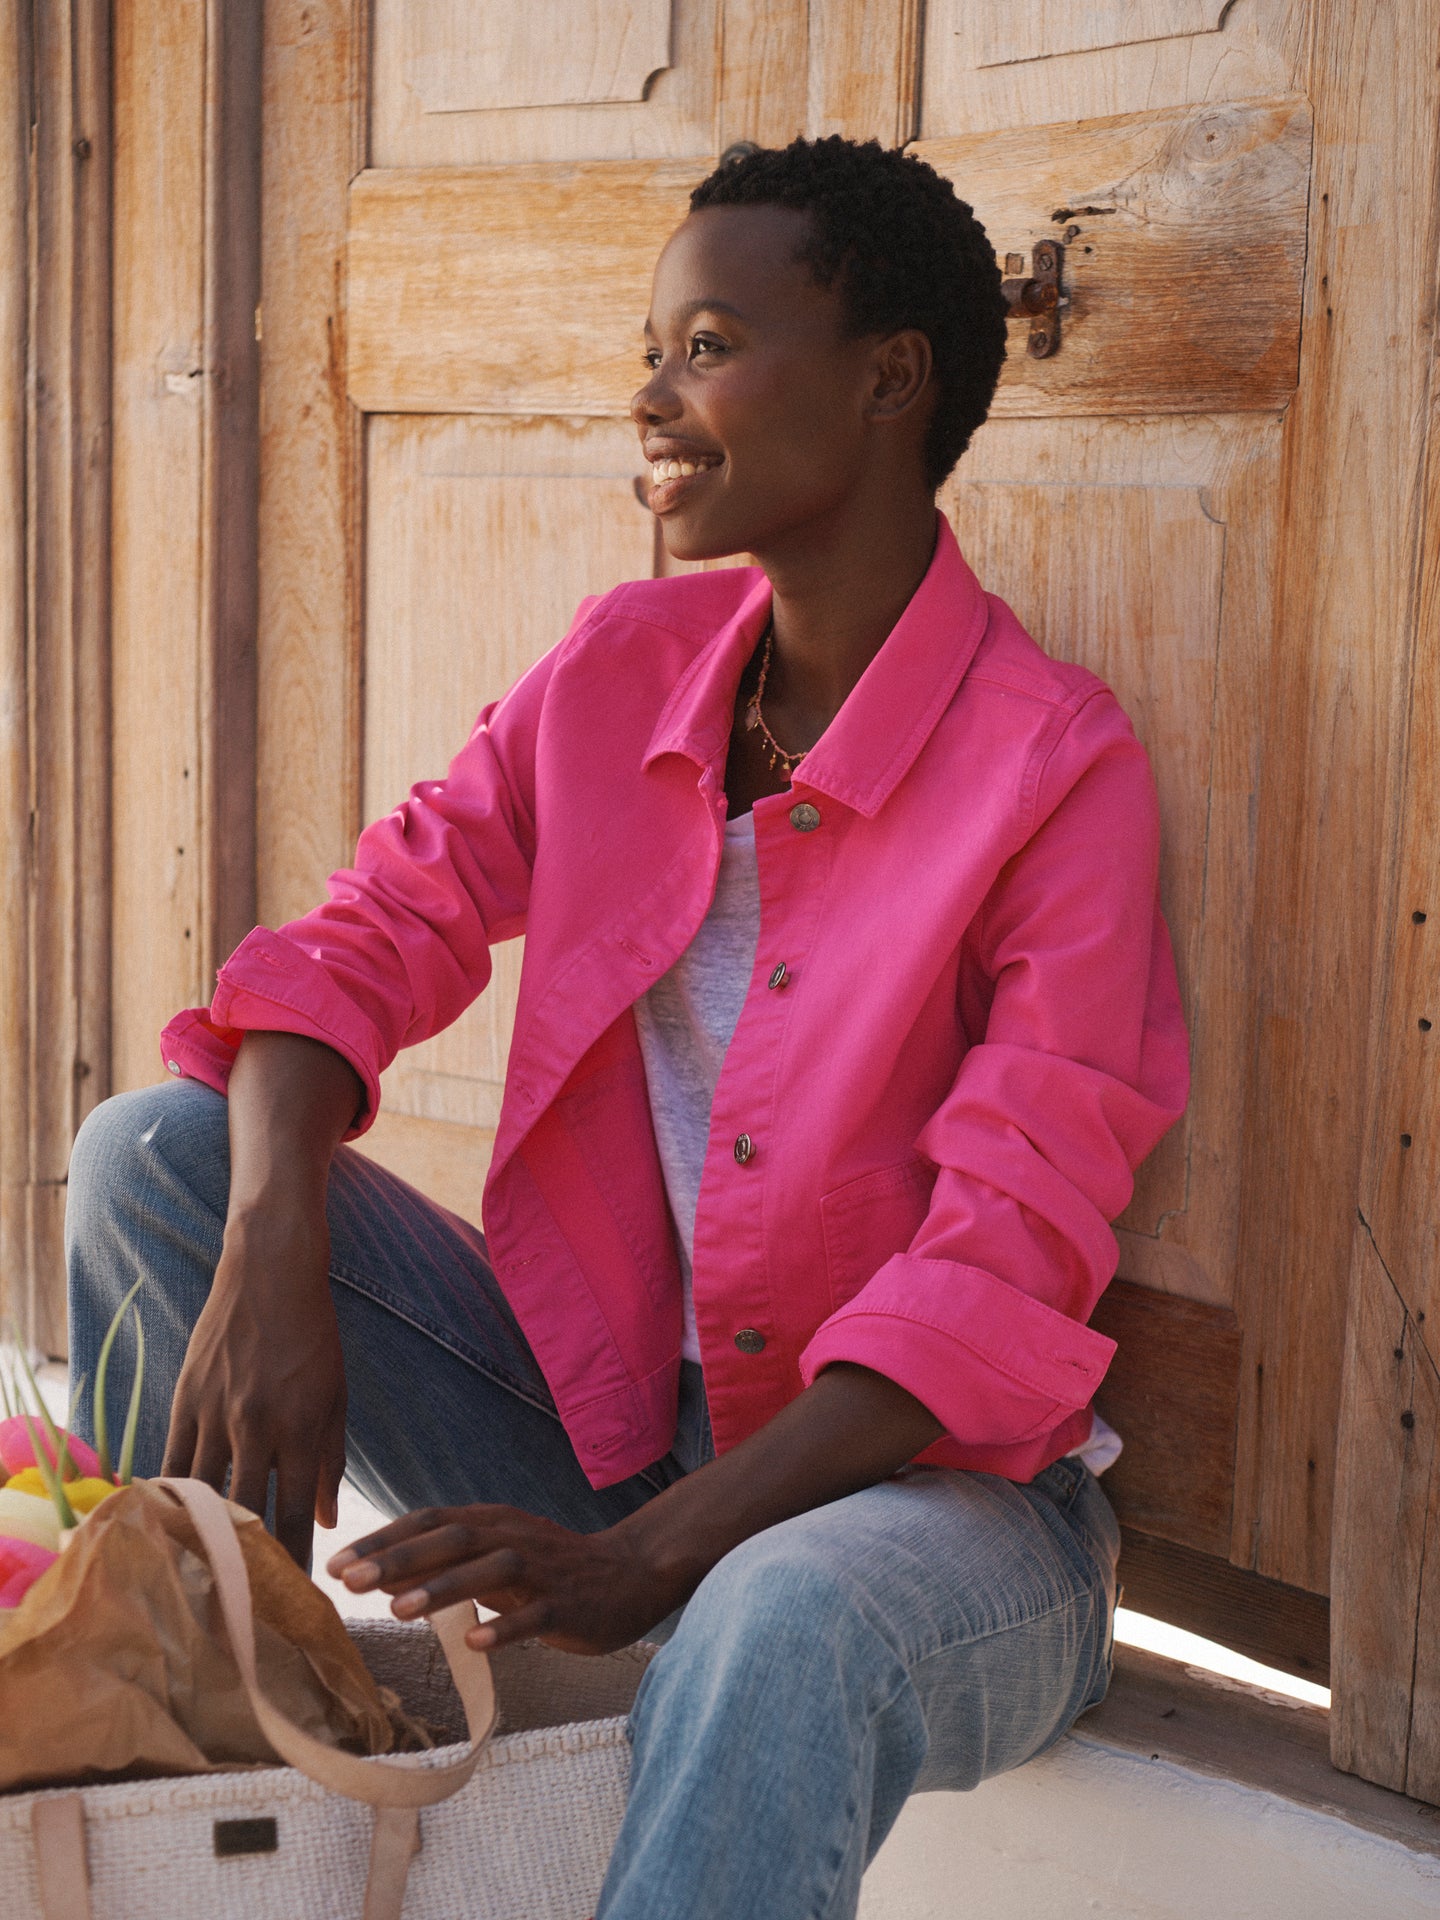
pixel 835 604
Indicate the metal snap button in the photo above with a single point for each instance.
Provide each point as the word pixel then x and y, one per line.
pixel 780 977
pixel 744 1147
pixel 804 818
pixel 749 1341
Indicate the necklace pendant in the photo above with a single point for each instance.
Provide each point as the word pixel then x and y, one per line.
pixel 752 715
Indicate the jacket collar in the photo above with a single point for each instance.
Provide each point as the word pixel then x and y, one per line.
pixel 891 712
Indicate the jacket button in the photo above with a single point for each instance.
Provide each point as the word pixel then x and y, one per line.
pixel 780 977
pixel 749 1341
pixel 744 1147
pixel 804 818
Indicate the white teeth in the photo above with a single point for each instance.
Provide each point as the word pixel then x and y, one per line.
pixel 678 469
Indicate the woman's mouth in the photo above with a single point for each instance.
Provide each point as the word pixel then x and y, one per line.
pixel 670 480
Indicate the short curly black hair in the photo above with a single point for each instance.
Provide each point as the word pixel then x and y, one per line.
pixel 905 251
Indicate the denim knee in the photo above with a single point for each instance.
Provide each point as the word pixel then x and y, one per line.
pixel 115 1145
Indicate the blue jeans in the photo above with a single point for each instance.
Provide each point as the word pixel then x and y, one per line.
pixel 928 1632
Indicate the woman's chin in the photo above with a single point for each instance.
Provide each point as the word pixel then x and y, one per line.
pixel 694 544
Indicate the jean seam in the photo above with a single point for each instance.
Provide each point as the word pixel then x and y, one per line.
pixel 380 1296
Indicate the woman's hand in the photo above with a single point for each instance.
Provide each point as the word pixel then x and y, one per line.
pixel 581 1592
pixel 263 1384
pixel 593 1592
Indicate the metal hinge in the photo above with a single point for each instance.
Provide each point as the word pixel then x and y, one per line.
pixel 1039 296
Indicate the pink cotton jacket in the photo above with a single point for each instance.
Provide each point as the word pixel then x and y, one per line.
pixel 962 1032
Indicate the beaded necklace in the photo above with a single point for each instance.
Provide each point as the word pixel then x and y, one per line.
pixel 755 718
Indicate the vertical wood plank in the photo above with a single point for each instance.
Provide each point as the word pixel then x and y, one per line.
pixel 311 479
pixel 14 675
pixel 865 69
pixel 230 478
pixel 1385 1722
pixel 157 480
pixel 763 66
pixel 1355 439
pixel 67 665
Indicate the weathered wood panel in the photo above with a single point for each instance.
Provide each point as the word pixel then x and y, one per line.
pixel 465 56
pixel 1172 1392
pixel 483 538
pixel 1184 235
pixel 54 680
pixel 1038 29
pixel 1280 1626
pixel 460 302
pixel 311 473
pixel 14 673
pixel 1386 1722
pixel 865 69
pixel 425 54
pixel 1142 548
pixel 764 76
pixel 1333 701
pixel 460 57
pixel 1259 51
pixel 158 479
pixel 230 480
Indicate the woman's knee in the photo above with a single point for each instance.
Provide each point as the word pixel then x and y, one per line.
pixel 172 1132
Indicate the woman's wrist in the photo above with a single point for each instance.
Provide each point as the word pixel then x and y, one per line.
pixel 852 1428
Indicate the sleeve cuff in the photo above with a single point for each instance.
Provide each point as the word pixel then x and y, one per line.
pixel 270 985
pixel 996 1365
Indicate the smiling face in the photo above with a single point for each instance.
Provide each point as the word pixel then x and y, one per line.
pixel 764 424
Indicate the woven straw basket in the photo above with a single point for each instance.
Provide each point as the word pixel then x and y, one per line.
pixel 526 1836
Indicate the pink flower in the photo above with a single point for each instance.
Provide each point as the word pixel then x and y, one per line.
pixel 16 1453
pixel 21 1565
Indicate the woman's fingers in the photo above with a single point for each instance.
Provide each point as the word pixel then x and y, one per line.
pixel 525 1623
pixel 180 1442
pixel 401 1563
pixel 296 1480
pixel 491 1579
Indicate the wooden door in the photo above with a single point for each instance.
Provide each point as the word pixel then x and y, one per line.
pixel 1205 494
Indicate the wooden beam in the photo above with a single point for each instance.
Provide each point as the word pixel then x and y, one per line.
pixel 312 471
pixel 187 224
pixel 1184 238
pixel 460 302
pixel 56 688
pixel 230 477
pixel 1172 1392
pixel 14 665
pixel 1281 1626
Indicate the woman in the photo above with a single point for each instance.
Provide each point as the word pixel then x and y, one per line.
pixel 847 1013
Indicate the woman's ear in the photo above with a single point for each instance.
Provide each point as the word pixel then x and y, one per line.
pixel 901 372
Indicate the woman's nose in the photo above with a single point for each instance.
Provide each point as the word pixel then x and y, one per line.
pixel 654 402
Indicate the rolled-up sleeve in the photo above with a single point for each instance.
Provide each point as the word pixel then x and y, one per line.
pixel 1082 1067
pixel 402 944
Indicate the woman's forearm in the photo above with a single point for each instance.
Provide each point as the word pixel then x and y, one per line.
pixel 850 1429
pixel 292 1100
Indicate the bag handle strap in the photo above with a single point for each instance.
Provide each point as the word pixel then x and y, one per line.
pixel 380 1783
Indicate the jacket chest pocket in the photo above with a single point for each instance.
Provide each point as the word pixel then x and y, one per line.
pixel 869 1219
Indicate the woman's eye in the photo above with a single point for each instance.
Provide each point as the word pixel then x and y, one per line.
pixel 651 357
pixel 703 344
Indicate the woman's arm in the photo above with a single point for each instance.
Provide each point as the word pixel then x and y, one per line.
pixel 590 1593
pixel 263 1384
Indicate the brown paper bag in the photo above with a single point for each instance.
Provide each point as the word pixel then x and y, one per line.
pixel 116 1662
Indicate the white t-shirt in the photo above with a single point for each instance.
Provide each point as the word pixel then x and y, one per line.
pixel 685 1023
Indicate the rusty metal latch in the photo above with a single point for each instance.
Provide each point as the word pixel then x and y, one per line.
pixel 1039 295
